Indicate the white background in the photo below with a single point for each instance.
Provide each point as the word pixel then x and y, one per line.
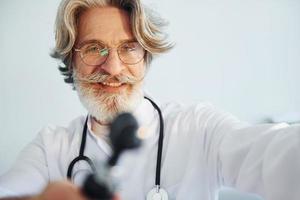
pixel 243 56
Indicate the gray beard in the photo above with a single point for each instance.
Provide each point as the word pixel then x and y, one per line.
pixel 106 106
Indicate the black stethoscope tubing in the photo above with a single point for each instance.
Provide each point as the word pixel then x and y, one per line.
pixel 160 142
pixel 82 157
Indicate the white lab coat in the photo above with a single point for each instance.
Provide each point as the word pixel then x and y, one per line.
pixel 204 149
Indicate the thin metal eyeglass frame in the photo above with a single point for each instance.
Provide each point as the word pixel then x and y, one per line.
pixel 108 49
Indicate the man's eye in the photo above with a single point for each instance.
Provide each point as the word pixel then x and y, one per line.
pixel 92 49
pixel 128 47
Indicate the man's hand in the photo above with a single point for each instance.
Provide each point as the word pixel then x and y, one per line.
pixel 63 190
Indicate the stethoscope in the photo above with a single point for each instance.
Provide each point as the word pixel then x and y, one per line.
pixel 157 193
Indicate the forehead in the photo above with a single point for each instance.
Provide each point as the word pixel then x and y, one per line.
pixel 107 24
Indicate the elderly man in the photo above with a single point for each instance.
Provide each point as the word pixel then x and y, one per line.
pixel 106 47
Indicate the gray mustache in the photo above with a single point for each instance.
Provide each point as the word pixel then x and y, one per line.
pixel 99 77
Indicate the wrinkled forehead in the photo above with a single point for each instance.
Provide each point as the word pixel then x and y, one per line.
pixel 107 24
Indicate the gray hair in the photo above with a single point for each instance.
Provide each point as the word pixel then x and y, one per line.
pixel 145 24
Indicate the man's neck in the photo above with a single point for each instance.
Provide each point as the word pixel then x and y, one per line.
pixel 98 128
pixel 99 122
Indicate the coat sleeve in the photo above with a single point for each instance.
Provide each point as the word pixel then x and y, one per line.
pixel 29 173
pixel 262 159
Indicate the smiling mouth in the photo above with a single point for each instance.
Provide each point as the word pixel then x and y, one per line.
pixel 111 84
pixel 111 87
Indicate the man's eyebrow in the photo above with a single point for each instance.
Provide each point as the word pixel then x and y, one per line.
pixel 93 41
pixel 90 42
pixel 127 40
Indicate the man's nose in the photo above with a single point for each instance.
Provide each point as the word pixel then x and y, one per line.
pixel 113 65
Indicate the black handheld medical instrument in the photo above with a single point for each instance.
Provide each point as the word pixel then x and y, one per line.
pixel 122 136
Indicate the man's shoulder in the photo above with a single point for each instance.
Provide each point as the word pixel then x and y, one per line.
pixel 201 112
pixel 51 133
pixel 180 109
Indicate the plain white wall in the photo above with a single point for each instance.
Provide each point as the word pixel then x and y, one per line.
pixel 243 56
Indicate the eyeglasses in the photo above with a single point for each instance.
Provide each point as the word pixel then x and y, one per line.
pixel 95 54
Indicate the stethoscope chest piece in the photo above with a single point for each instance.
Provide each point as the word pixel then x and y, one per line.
pixel 157 194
